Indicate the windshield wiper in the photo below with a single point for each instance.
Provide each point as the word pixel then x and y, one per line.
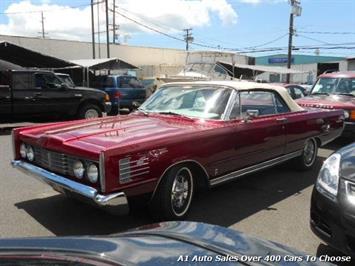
pixel 172 113
pixel 320 93
pixel 346 94
pixel 142 111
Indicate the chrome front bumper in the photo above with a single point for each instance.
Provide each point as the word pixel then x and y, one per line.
pixel 115 203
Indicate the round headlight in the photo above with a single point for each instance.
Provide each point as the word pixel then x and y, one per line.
pixel 92 173
pixel 78 169
pixel 30 153
pixel 346 114
pixel 23 150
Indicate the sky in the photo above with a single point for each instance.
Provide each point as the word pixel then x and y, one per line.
pixel 242 25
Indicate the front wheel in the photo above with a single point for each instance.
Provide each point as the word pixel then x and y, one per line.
pixel 89 111
pixel 309 154
pixel 173 197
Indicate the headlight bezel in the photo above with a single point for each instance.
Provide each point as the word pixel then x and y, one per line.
pixel 93 173
pixel 329 177
pixel 78 172
pixel 23 151
pixel 30 153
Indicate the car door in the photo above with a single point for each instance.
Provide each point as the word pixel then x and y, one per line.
pixel 259 138
pixel 5 94
pixel 53 97
pixel 24 92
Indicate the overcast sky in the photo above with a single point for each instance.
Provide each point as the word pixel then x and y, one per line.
pixel 233 24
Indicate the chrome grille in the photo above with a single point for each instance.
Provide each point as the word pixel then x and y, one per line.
pixel 129 169
pixel 53 161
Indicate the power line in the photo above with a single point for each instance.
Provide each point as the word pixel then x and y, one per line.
pixel 329 32
pixel 48 10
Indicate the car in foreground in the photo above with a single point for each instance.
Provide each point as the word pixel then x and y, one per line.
pixel 170 243
pixel 333 201
pixel 335 90
pixel 125 92
pixel 29 93
pixel 185 137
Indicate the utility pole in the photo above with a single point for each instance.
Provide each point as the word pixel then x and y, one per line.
pixel 43 33
pixel 114 22
pixel 188 37
pixel 92 29
pixel 296 10
pixel 107 30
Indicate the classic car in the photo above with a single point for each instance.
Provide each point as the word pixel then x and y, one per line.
pixel 185 137
pixel 169 243
pixel 335 90
pixel 296 91
pixel 333 201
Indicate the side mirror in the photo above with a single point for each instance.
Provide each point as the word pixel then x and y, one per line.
pixel 251 114
pixel 135 105
pixel 64 86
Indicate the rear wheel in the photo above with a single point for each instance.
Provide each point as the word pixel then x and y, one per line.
pixel 89 111
pixel 309 154
pixel 173 197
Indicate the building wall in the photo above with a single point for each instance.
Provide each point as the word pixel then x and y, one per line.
pixel 151 61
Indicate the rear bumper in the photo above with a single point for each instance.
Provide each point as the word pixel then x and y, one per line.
pixel 126 103
pixel 115 203
pixel 349 130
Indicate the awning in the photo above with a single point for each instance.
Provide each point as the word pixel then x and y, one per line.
pixel 257 69
pixel 103 64
pixel 24 57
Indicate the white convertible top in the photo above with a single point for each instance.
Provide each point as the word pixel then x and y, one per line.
pixel 246 85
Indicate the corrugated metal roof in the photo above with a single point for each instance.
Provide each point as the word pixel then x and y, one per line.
pixel 103 63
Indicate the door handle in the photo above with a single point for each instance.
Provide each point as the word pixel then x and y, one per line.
pixel 28 98
pixel 282 119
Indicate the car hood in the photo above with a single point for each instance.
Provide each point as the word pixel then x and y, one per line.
pixel 107 133
pixel 328 101
pixel 162 244
pixel 88 89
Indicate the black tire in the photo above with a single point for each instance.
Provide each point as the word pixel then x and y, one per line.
pixel 309 155
pixel 87 109
pixel 168 202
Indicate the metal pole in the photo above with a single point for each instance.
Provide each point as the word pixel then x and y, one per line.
pixel 107 31
pixel 289 55
pixel 114 22
pixel 92 29
pixel 42 19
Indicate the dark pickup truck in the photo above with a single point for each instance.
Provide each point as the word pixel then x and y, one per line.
pixel 29 93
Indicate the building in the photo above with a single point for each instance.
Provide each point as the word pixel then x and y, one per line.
pixel 151 61
pixel 310 65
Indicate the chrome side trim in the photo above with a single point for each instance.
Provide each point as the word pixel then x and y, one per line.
pixel 172 165
pixel 254 168
pixel 102 172
pixel 61 184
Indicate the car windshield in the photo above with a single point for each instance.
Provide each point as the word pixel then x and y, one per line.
pixel 190 101
pixel 67 80
pixel 335 86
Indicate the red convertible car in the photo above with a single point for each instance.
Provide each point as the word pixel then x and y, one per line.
pixel 185 137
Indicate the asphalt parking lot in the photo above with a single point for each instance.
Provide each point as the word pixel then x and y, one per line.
pixel 273 204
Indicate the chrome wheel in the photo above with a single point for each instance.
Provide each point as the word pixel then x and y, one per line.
pixel 91 113
pixel 181 192
pixel 310 152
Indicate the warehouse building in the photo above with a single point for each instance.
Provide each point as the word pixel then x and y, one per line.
pixel 310 65
pixel 151 61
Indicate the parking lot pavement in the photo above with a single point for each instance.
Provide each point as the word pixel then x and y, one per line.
pixel 273 204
